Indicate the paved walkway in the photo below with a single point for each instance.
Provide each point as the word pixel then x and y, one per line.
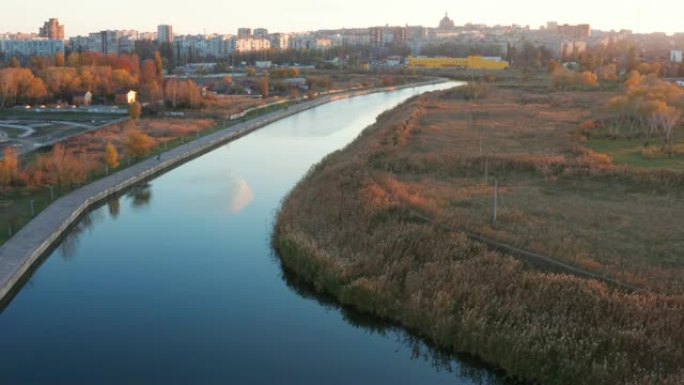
pixel 26 247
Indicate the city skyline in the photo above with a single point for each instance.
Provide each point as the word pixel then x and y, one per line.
pixel 306 15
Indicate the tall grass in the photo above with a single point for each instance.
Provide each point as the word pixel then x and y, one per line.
pixel 347 229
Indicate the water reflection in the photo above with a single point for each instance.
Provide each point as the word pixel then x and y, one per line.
pixel 114 206
pixel 133 296
pixel 72 239
pixel 463 367
pixel 140 196
pixel 241 196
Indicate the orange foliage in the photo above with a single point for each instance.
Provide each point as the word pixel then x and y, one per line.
pixel 62 167
pixel 111 157
pixel 9 167
pixel 182 93
pixel 137 143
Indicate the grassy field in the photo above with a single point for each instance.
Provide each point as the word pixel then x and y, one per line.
pixel 556 196
pixel 632 153
pixel 348 229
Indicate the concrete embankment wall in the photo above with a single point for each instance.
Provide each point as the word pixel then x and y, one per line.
pixel 26 247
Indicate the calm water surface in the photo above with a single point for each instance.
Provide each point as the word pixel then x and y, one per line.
pixel 176 282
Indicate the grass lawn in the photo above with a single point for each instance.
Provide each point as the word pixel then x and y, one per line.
pixel 629 152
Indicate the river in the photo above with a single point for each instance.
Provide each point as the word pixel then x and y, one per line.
pixel 176 282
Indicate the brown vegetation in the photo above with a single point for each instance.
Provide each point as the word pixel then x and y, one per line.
pixel 349 229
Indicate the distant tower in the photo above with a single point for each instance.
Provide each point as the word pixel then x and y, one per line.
pixel 446 23
pixel 164 34
pixel 52 30
pixel 261 33
pixel 244 32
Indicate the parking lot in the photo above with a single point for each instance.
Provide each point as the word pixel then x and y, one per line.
pixel 27 131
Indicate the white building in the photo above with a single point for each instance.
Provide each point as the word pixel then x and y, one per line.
pixel 249 44
pixel 218 46
pixel 33 47
pixel 280 41
pixel 309 41
pixel 107 42
pixel 261 33
pixel 164 34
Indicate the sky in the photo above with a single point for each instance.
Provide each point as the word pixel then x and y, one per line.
pixel 225 16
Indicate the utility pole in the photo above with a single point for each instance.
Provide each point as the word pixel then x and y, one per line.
pixel 496 198
pixel 480 142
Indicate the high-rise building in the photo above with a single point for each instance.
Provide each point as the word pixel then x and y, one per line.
pixel 244 32
pixel 577 32
pixel 377 36
pixel 52 30
pixel 164 34
pixel 280 41
pixel 261 33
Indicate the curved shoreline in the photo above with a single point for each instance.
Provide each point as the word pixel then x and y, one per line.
pixel 27 246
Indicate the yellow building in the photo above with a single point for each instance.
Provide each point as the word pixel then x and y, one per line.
pixel 471 62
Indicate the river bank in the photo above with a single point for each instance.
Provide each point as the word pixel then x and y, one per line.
pixel 19 253
pixel 349 229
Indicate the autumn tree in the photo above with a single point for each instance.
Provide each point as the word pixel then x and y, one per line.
pixel 61 82
pixel 111 156
pixel 9 167
pixel 150 86
pixel 182 94
pixel 19 85
pixel 134 110
pixel 102 80
pixel 59 59
pixel 159 67
pixel 588 79
pixel 263 86
pixel 649 105
pixel 122 79
pixel 87 76
pixel 72 60
pixel 563 78
pixel 137 144
pixel 664 119
pixel 62 167
pixel 607 73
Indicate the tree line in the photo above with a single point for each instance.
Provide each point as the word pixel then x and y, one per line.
pixel 649 107
pixel 61 79
pixel 66 166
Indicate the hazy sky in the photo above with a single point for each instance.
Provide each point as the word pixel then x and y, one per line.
pixel 225 16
